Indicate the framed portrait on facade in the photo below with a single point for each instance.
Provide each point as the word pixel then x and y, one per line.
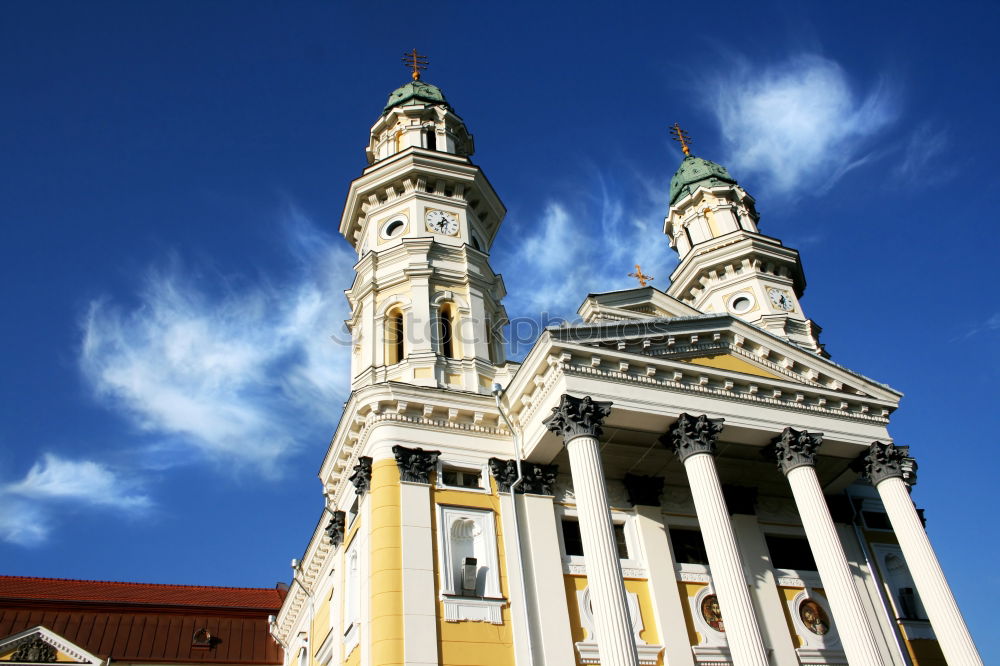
pixel 814 617
pixel 711 612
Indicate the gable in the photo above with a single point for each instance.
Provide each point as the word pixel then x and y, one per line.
pixel 731 363
pixel 39 645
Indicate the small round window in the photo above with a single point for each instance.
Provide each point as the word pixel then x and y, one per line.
pixel 741 303
pixel 393 227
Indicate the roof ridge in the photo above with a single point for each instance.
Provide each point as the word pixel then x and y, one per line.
pixel 136 584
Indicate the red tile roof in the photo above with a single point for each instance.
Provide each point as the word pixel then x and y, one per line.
pixel 142 622
pixel 60 589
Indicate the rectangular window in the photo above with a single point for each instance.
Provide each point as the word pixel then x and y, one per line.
pixel 789 552
pixel 461 478
pixel 688 546
pixel 573 541
pixel 876 520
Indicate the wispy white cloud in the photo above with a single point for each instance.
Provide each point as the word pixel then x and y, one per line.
pixel 925 144
pixel 588 243
pixel 54 485
pixel 990 324
pixel 797 125
pixel 227 377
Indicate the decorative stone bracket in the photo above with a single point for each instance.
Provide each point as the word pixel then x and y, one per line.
pixel 885 461
pixel 537 479
pixel 794 448
pixel 362 477
pixel 335 528
pixel 692 434
pixel 415 465
pixel 575 417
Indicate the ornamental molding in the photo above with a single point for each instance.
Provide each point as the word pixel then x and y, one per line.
pixel 888 461
pixel 362 477
pixel 415 465
pixel 580 569
pixel 794 448
pixel 39 645
pixel 537 479
pixel 577 417
pixel 670 374
pixel 690 435
pixel 336 527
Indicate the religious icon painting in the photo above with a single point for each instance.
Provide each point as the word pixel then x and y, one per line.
pixel 814 617
pixel 711 612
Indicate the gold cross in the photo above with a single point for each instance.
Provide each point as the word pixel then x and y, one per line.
pixel 682 137
pixel 638 275
pixel 416 62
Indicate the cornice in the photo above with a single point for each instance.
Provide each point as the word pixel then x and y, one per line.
pixel 408 170
pixel 680 337
pixel 568 359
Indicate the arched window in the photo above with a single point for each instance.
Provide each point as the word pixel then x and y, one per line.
pixel 430 138
pixel 446 330
pixel 394 352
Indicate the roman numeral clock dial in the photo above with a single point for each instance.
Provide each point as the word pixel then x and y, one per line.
pixel 442 222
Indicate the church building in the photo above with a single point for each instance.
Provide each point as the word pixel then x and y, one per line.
pixel 683 478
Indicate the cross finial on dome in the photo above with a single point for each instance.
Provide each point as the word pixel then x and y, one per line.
pixel 640 276
pixel 416 62
pixel 682 137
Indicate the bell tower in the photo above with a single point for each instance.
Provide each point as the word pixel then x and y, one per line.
pixel 425 302
pixel 726 264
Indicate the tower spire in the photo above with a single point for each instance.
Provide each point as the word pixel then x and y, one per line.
pixel 415 62
pixel 682 137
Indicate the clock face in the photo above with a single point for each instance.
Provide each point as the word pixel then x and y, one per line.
pixel 781 299
pixel 442 222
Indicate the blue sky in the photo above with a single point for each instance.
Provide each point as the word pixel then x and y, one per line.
pixel 173 176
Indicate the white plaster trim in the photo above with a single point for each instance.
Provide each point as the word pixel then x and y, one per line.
pixel 473 609
pixel 53 639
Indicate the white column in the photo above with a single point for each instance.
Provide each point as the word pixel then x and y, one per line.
pixel 742 629
pixel 795 452
pixel 666 597
pixel 578 421
pixel 884 467
pixel 615 640
pixel 693 440
pixel 838 583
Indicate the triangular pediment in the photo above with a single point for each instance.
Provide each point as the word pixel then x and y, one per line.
pixel 724 343
pixel 639 303
pixel 39 645
pixel 733 364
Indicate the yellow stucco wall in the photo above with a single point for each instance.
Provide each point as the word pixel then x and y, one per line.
pixel 474 643
pixel 690 591
pixel 386 580
pixel 727 362
pixel 638 586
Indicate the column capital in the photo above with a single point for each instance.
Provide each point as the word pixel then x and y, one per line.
pixel 574 417
pixel 644 490
pixel 362 477
pixel 887 461
pixel 794 448
pixel 335 528
pixel 692 434
pixel 537 479
pixel 415 465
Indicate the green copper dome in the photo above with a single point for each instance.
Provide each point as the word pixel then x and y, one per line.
pixel 695 171
pixel 415 90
